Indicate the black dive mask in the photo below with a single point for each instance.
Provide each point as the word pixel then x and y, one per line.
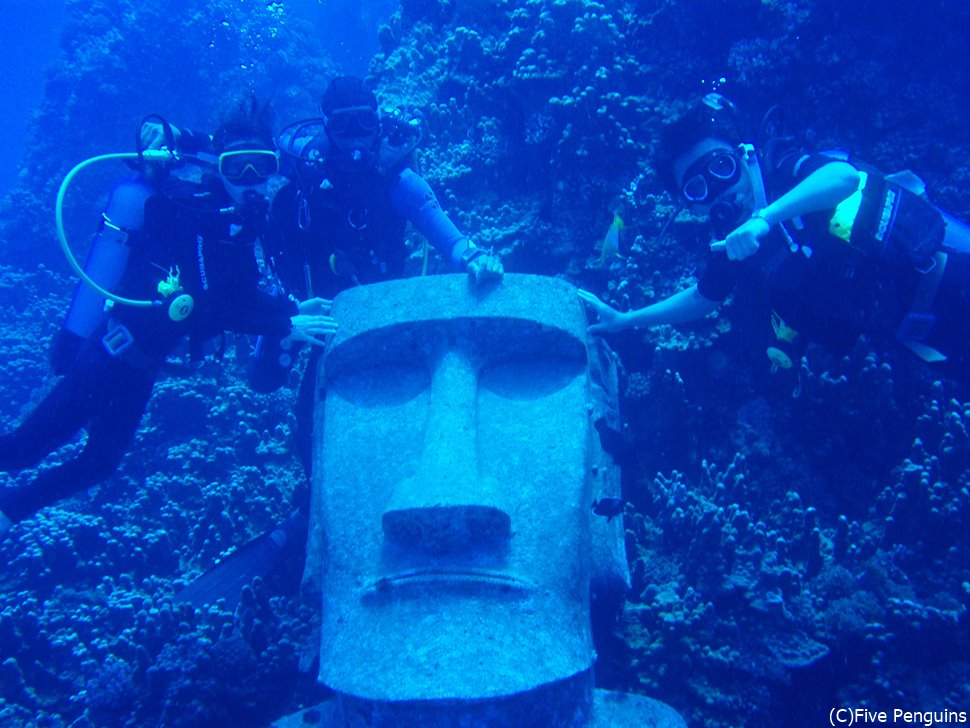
pixel 709 176
pixel 353 121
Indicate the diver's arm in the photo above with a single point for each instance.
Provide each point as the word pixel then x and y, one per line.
pixel 686 305
pixel 414 199
pixel 823 189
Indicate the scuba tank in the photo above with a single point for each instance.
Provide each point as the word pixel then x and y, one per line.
pixel 105 262
pixel 109 250
pixel 108 253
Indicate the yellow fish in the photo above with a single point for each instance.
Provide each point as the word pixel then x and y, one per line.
pixel 610 247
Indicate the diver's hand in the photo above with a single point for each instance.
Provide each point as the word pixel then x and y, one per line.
pixel 744 240
pixel 316 306
pixel 311 328
pixel 611 320
pixel 484 268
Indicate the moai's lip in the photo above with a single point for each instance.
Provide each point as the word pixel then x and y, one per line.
pixel 466 579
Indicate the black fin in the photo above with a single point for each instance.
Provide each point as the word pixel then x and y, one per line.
pixel 259 557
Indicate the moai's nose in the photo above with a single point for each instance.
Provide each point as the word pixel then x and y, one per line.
pixel 446 505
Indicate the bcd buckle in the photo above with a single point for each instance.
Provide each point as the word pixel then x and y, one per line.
pixel 117 340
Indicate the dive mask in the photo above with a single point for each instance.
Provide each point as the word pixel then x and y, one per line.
pixel 353 121
pixel 248 167
pixel 710 176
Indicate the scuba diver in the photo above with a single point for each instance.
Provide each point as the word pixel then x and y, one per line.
pixel 184 252
pixel 340 219
pixel 353 186
pixel 843 249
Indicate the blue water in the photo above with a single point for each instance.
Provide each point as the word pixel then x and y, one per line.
pixel 347 29
pixel 28 45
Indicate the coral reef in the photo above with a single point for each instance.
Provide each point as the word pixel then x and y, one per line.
pixel 90 627
pixel 734 574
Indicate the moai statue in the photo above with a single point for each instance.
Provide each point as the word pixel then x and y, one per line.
pixel 452 536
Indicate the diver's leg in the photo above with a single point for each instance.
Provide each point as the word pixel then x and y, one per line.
pixel 125 397
pixel 65 409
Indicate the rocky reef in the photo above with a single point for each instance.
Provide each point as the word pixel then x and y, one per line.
pixel 797 538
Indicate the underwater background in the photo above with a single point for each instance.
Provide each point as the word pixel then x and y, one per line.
pixel 797 540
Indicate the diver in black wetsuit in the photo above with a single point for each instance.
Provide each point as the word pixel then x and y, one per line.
pixel 843 249
pixel 340 221
pixel 341 218
pixel 192 244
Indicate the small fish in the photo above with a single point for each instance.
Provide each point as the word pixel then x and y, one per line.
pixel 609 507
pixel 610 247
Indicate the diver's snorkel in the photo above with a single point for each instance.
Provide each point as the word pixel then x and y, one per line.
pixel 181 306
pixel 750 159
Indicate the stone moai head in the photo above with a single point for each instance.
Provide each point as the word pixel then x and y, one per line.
pixel 454 469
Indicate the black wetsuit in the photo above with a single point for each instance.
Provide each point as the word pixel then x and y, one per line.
pixel 838 293
pixel 348 230
pixel 183 231
pixel 353 220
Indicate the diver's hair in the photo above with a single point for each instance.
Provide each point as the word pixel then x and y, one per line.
pixel 345 91
pixel 699 122
pixel 249 119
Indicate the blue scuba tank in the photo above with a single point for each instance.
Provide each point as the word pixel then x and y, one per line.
pixel 124 215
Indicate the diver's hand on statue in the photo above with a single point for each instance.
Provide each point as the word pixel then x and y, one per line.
pixel 744 240
pixel 312 328
pixel 486 268
pixel 316 306
pixel 610 320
